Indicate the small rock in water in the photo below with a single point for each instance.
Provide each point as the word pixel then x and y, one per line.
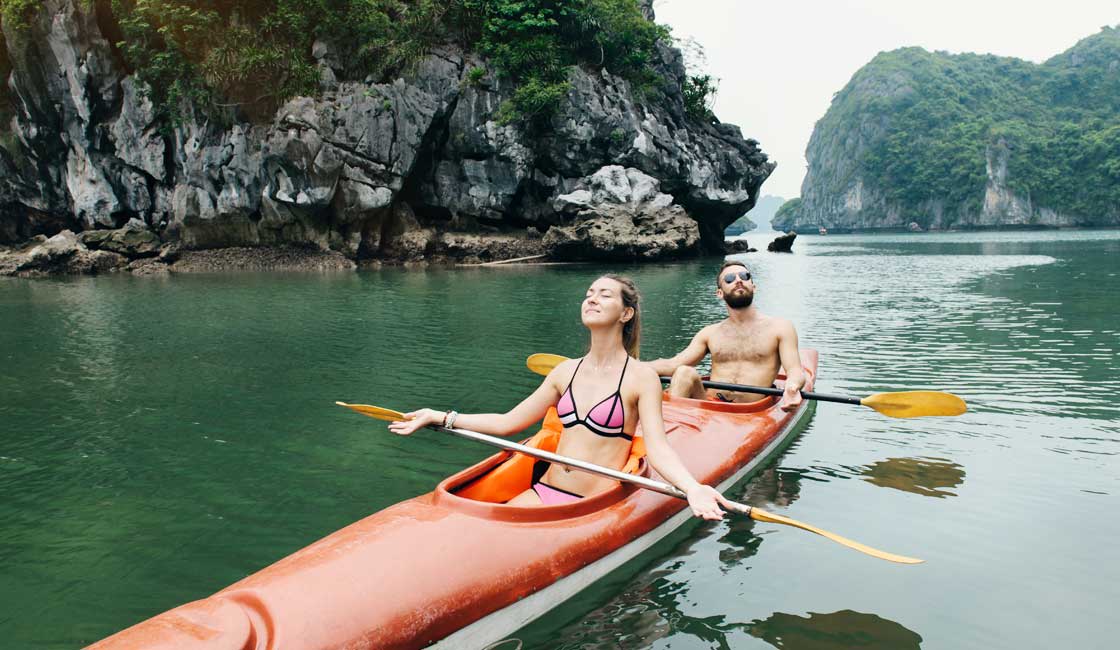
pixel 782 243
pixel 737 246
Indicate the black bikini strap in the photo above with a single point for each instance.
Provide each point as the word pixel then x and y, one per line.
pixel 618 390
pixel 573 379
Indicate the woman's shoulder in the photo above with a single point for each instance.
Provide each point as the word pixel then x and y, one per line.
pixel 642 373
pixel 565 368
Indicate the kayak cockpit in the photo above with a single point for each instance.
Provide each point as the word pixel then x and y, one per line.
pixel 458 492
pixel 483 489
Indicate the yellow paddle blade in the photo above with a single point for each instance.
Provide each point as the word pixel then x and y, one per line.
pixel 542 363
pixel 771 518
pixel 915 403
pixel 375 412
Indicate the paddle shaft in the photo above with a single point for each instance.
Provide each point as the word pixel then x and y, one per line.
pixel 777 392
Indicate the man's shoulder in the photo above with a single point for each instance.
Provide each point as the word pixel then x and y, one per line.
pixel 781 325
pixel 708 329
pixel 764 325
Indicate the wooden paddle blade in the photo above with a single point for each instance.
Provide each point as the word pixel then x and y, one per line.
pixel 542 363
pixel 375 412
pixel 915 403
pixel 771 518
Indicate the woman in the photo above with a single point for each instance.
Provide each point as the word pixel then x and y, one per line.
pixel 600 400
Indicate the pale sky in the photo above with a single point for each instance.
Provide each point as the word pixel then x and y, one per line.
pixel 779 62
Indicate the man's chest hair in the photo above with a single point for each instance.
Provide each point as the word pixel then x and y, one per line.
pixel 739 343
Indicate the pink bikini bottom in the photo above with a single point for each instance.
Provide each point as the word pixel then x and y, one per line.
pixel 551 496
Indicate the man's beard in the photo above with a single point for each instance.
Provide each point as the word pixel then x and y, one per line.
pixel 739 301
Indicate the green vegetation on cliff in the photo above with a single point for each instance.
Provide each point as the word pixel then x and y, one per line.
pixel 787 210
pixel 536 41
pixel 245 57
pixel 17 12
pixel 941 116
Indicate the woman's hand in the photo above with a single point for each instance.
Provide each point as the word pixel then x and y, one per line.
pixel 417 420
pixel 705 502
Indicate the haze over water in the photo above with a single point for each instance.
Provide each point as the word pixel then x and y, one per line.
pixel 163 438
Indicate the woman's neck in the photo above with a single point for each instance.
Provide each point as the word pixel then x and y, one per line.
pixel 606 348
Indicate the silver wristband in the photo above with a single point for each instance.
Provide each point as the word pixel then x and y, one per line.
pixel 449 419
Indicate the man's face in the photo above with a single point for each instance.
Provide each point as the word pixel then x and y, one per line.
pixel 736 287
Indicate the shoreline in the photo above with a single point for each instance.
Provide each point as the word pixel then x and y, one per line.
pixel 896 230
pixel 38 259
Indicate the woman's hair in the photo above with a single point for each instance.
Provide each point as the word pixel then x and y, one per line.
pixel 631 329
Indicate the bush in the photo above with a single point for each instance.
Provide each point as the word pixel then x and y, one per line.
pixel 699 93
pixel 475 76
pixel 533 101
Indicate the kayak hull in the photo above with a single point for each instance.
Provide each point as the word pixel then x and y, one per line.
pixel 452 572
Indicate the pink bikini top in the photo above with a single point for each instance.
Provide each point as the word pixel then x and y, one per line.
pixel 605 419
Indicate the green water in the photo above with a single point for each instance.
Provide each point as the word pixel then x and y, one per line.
pixel 162 438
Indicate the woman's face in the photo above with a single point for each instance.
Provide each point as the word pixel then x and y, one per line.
pixel 603 305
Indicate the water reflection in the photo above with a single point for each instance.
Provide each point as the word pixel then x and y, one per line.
pixel 778 486
pixel 925 476
pixel 843 629
pixel 770 487
pixel 651 610
pixel 658 604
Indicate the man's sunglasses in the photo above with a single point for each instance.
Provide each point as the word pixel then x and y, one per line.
pixel 745 276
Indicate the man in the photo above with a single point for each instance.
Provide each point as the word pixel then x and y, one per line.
pixel 748 347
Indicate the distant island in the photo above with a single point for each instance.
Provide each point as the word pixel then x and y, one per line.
pixel 929 140
pixel 761 215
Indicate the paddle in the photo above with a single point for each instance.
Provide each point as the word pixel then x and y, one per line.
pixel 904 404
pixel 641 481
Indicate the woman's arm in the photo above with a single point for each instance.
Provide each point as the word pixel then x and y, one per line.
pixel 704 500
pixel 530 410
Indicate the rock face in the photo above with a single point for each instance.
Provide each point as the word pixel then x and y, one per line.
pixel 621 215
pixel 967 141
pixel 134 240
pixel 60 254
pixel 416 169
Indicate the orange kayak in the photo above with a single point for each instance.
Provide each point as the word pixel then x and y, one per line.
pixel 445 571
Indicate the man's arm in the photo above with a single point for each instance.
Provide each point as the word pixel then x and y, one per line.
pixel 690 356
pixel 790 356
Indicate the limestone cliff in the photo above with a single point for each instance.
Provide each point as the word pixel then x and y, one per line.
pixel 967 141
pixel 416 168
